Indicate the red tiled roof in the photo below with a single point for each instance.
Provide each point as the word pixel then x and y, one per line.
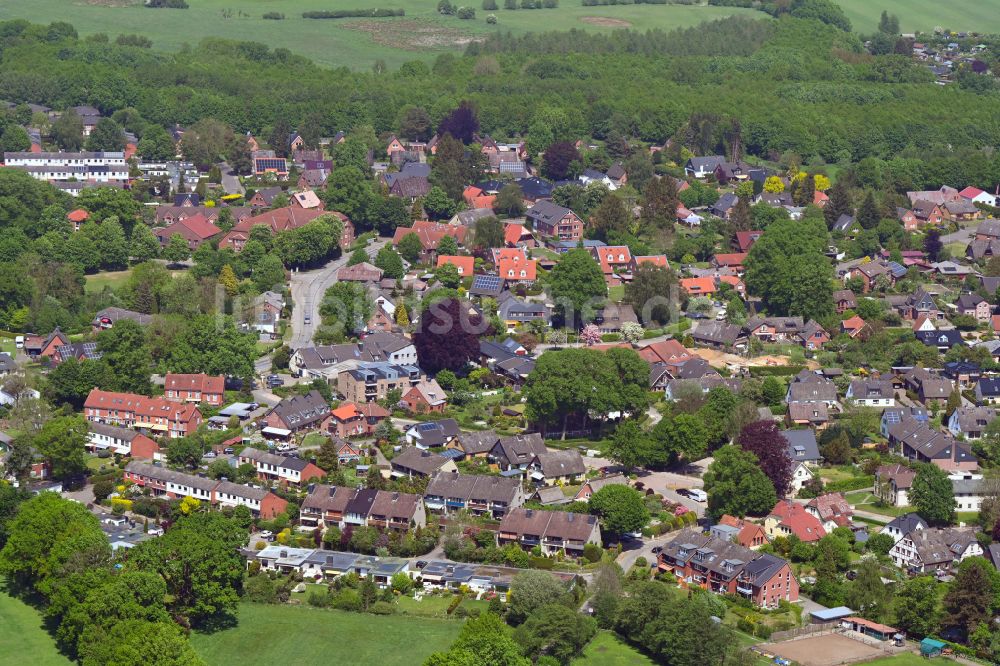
pixel 820 198
pixel 78 215
pixel 510 262
pixel 970 192
pixel 665 351
pixel 800 522
pixel 140 405
pixel 465 265
pixel 696 286
pixel 653 259
pixel 279 219
pixel 731 259
pixel 199 382
pixel 430 233
pixel 512 233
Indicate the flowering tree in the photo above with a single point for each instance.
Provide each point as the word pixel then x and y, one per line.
pixel 632 332
pixel 590 335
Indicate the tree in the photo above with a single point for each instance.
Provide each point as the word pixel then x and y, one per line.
pixel 971 596
pixel 774 185
pixel 765 441
pixel 227 278
pixel 931 495
pixel 448 276
pixel 918 611
pixel 868 213
pixel 888 23
pixel 268 273
pixel 447 336
pixel 359 256
pixel 448 246
pixel 410 247
pixel 530 591
pixel 346 308
pixel 438 205
pixel 125 351
pixel 590 335
pixel 177 249
pixel 139 642
pixel 143 245
pixel 786 267
pixel 482 640
pixel 652 293
pixel 837 450
pixel 933 245
pixel 67 131
pixel 280 136
pixel 402 316
pixel 461 123
pixel 677 436
pixel 156 144
pixel 868 594
pixel 199 560
pixel 880 544
pixel 620 508
pixel 559 160
pixel 15 139
pixel 107 135
pixel 556 631
pixel 206 141
pixel 509 202
pixel 630 444
pixel 390 263
pixel 109 239
pixel 62 442
pixel 488 232
pixel 736 485
pixel 660 201
pixel 574 282
pixel 839 203
pixel 71 381
pixel 390 213
pixel 415 123
pixel 773 390
pixel 611 217
pixel 632 332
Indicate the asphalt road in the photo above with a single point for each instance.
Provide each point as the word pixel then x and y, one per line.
pixel 308 288
pixel 230 181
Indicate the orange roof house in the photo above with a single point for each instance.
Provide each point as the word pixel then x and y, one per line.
pixel 734 282
pixel 853 326
pixel 429 233
pixel 665 351
pixel 658 260
pixel 700 286
pixel 820 198
pixel 788 518
pixel 465 265
pixel 279 219
pixel 77 217
pixel 516 235
pixel 733 260
pixel 476 198
pixel 751 535
pixel 512 264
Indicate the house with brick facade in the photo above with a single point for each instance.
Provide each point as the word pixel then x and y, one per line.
pixel 450 492
pixel 121 441
pixel 282 470
pixel 298 413
pixel 356 420
pixel 552 531
pixel 204 388
pixel 157 415
pixel 335 506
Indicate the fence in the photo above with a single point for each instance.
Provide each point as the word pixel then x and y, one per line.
pixel 817 628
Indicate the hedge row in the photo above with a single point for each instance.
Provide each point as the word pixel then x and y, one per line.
pixel 776 370
pixel 353 13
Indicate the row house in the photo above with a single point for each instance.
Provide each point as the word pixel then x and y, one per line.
pixel 934 550
pixel 168 483
pixel 50 159
pixel 916 440
pixel 157 415
pixel 334 506
pixel 121 441
pixel 724 567
pixel 412 462
pixel 494 496
pixel 284 470
pixel 200 387
pixel 299 412
pixel 552 531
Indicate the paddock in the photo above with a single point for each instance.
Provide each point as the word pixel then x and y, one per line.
pixel 824 650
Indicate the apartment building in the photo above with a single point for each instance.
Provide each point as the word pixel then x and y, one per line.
pixel 156 415
pixel 194 388
pixel 373 381
pixel 552 531
pixel 448 492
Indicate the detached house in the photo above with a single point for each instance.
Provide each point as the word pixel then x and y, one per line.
pixel 872 393
pixel 412 462
pixel 517 451
pixel 788 518
pixel 298 413
pixel 973 305
pixel 971 422
pixel 935 550
pixel 893 483
pixel 918 441
pixel 555 221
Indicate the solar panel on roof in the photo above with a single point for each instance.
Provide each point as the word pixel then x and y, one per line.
pixel 486 282
pixel 427 426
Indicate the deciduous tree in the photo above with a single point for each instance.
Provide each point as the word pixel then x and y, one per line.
pixel 620 508
pixel 447 336
pixel 932 496
pixel 736 485
pixel 765 441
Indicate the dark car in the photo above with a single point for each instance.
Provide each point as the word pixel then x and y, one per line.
pixel 229 451
pixel 657 549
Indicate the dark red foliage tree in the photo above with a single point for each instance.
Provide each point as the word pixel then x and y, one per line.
pixel 557 159
pixel 447 336
pixel 462 123
pixel 764 440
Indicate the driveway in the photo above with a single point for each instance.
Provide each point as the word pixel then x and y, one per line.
pixel 308 289
pixel 230 181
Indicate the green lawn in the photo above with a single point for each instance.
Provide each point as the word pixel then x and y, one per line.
pixel 301 635
pixel 910 659
pixel 353 43
pixel 98 281
pixel 925 15
pixel 22 638
pixel 608 650
pixel 616 293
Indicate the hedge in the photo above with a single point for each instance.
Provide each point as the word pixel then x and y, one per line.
pixel 857 483
pixel 353 13
pixel 776 370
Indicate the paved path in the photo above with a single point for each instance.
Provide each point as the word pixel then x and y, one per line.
pixel 230 181
pixel 308 288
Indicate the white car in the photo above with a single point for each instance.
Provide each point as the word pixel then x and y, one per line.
pixel 698 495
pixel 720 315
pixel 266 535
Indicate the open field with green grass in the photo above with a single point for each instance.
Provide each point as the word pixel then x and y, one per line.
pixel 354 43
pixel 98 281
pixel 925 15
pixel 301 635
pixel 22 638
pixel 608 650
pixel 910 659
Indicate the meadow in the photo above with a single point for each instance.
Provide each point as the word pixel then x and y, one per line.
pixel 354 43
pixel 303 635
pixel 925 15
pixel 23 639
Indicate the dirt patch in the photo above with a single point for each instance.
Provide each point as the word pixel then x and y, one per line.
pixel 109 3
pixel 720 359
pixel 411 35
pixel 826 650
pixel 606 22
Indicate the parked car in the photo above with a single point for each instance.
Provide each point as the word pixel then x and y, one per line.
pixel 229 451
pixel 657 550
pixel 683 492
pixel 266 535
pixel 698 495
pixel 210 454
pixel 308 319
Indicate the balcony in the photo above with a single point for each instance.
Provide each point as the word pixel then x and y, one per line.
pixel 742 588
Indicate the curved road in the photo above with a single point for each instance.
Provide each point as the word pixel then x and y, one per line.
pixel 307 289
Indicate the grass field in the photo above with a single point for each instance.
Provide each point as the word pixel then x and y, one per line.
pixel 22 638
pixel 608 650
pixel 353 43
pixel 98 281
pixel 300 635
pixel 925 15
pixel 910 659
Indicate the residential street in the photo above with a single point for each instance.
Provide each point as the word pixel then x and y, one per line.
pixel 307 289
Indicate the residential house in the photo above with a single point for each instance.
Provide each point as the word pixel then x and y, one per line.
pixel 591 486
pixel 374 381
pixel 107 318
pixel 283 470
pixel 516 235
pixel 717 335
pixel 121 441
pixel 845 300
pixel 553 220
pixel 334 506
pixel 432 434
pixel 974 305
pixel 927 212
pixel 277 220
pixel 959 211
pixel 939 196
pixel 855 327
pixel 971 422
pixel 975 195
pixel 872 393
pixel 362 272
pixel 195 230
pixel 494 496
pixel 81 351
pixel 299 412
pixel 702 167
pixel 809 387
pixel 964 374
pixel 413 462
pixel 474 444
pixel 988 390
pixel 516 451
pixel 733 260
pixel 557 467
pixel 552 531
pixel 352 419
pixel 789 518
pixel 724 567
pixel 930 389
pixel 893 483
pixel 749 535
pixel 943 339
pixel 425 397
pixel 163 482
pixel 194 388
pixel 514 312
pixel 832 509
pixel 157 415
pixel 916 440
pixel 430 235
pixel 901 526
pixel 809 415
pixel 464 265
pixel 935 550
pixel 514 266
pixel 615 315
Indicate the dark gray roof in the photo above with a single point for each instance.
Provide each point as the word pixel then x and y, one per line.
pixel 907 523
pixel 300 411
pixel 802 446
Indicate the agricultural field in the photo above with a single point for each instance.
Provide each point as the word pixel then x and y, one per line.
pixel 354 43
pixel 22 638
pixel 925 15
pixel 272 634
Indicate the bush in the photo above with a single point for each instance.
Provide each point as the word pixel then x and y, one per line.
pixel 776 370
pixel 857 483
pixel 382 608
pixel 319 598
pixel 543 563
pixel 491 19
pixel 455 601
pixel 466 13
pixel 274 16
pixel 166 4
pixel 490 5
pixel 592 552
pixel 104 454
